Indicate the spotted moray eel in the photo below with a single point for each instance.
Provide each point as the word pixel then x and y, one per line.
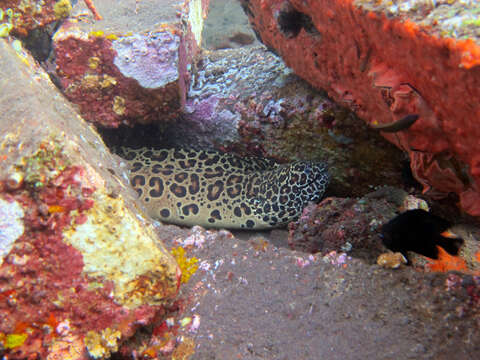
pixel 222 190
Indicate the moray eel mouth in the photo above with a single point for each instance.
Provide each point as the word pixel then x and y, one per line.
pixel 222 190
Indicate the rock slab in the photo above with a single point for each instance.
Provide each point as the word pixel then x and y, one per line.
pixel 79 269
pixel 387 61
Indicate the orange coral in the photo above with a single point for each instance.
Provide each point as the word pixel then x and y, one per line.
pixel 92 8
pixel 470 53
pixel 52 321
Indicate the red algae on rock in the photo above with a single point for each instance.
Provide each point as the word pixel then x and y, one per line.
pixel 389 60
pixel 57 277
pixel 26 15
pixel 137 71
pixel 76 258
pixel 105 95
pixel 36 273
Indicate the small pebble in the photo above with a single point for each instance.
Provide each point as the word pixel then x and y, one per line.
pixel 391 260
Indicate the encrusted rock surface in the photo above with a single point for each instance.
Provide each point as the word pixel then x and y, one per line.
pixel 388 60
pixel 247 101
pixel 19 17
pixel 352 225
pixel 340 224
pixel 80 270
pixel 132 66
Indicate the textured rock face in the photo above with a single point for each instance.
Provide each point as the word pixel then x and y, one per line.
pixel 353 226
pixel 132 66
pixel 21 16
pixel 246 100
pixel 79 271
pixel 387 62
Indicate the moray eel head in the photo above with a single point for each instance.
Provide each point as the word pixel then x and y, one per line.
pixel 311 179
pixel 285 191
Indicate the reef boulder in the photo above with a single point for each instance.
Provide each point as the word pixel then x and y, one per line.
pixel 80 270
pixel 132 66
pixel 387 61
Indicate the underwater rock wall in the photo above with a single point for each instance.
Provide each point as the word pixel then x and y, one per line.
pixel 80 270
pixel 132 66
pixel 247 101
pixel 387 61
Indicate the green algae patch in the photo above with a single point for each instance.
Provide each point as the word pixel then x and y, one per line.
pixel 62 9
pixel 13 341
pixel 117 248
pixel 47 163
pixel 188 266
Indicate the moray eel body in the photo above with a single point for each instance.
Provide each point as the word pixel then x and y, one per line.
pixel 221 190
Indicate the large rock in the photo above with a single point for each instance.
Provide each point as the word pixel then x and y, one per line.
pixel 249 296
pixel 79 269
pixel 387 61
pixel 132 66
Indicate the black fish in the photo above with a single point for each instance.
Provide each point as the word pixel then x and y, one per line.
pixel 399 125
pixel 421 232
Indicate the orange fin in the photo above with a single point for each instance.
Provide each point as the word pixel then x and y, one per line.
pixel 449 234
pixel 446 262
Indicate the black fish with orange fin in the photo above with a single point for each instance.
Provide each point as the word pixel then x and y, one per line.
pixel 419 231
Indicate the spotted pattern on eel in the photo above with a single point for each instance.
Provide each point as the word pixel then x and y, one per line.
pixel 223 190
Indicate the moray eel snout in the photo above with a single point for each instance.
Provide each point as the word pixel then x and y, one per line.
pixel 317 178
pixel 286 190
